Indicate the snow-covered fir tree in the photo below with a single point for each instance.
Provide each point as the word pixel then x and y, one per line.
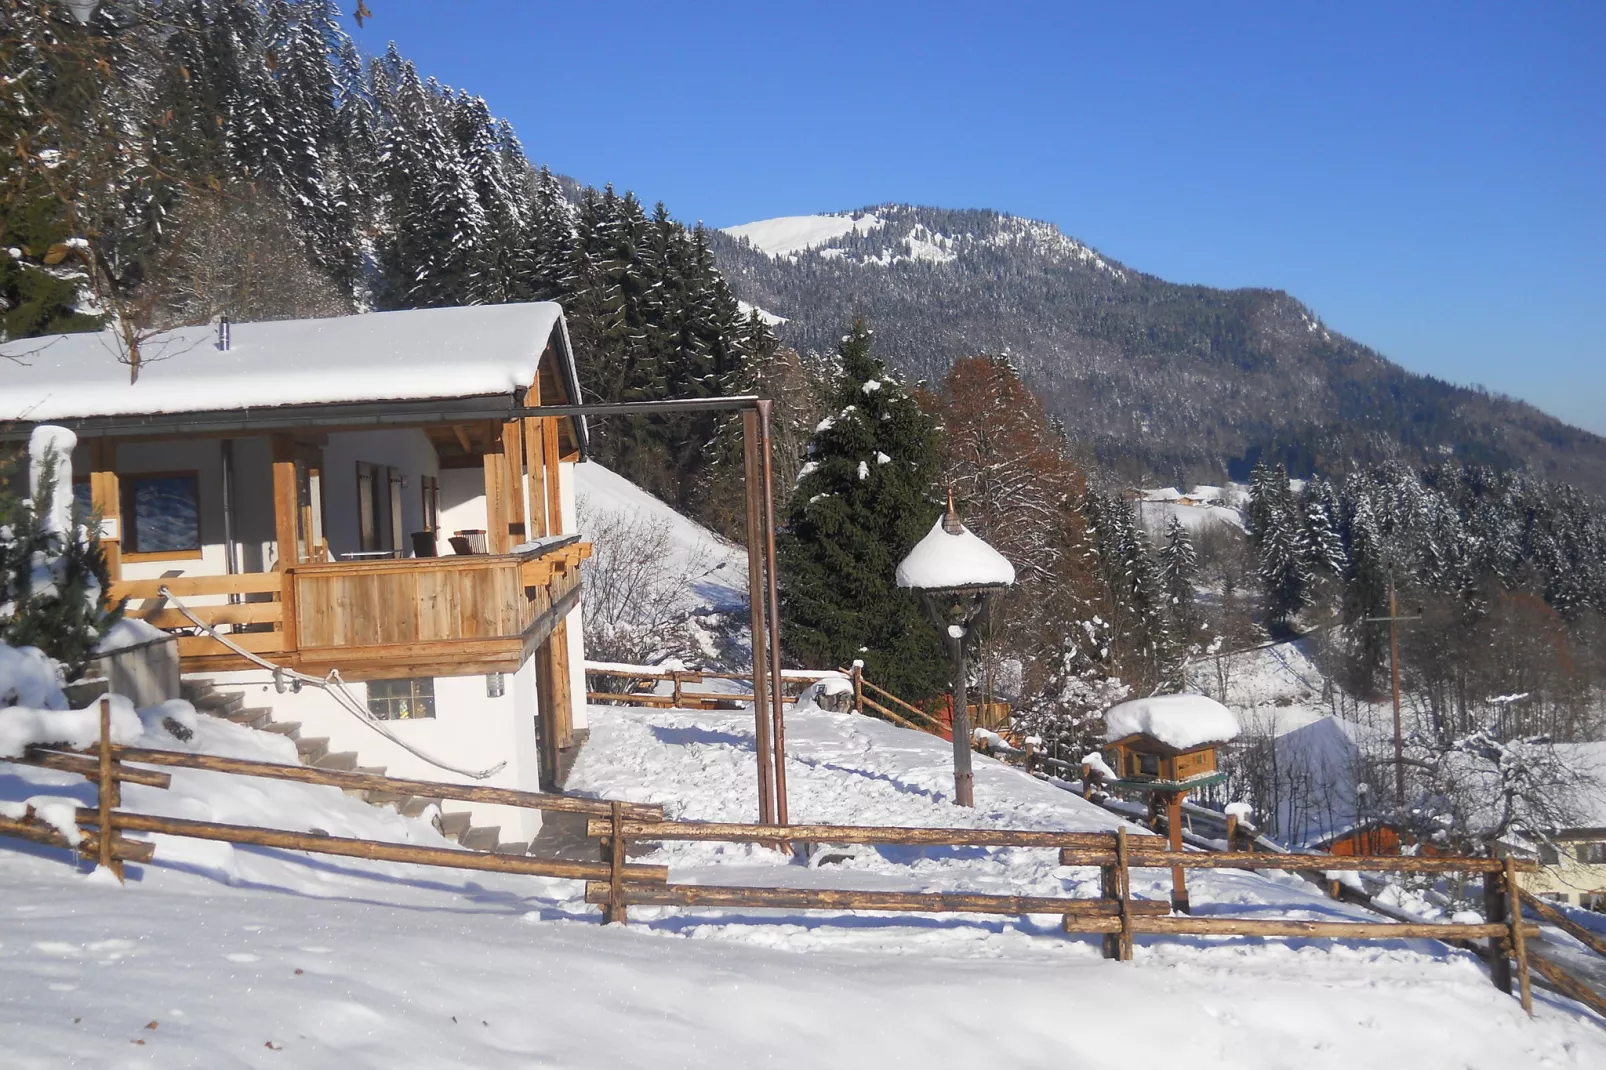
pixel 863 499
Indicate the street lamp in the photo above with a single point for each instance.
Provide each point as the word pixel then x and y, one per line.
pixel 956 574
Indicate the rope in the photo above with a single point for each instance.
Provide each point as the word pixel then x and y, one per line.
pixel 336 689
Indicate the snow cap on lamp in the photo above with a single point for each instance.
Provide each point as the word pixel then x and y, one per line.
pixel 952 556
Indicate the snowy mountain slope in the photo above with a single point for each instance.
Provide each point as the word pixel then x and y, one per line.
pixel 285 960
pixel 791 234
pixel 721 566
pixel 1183 381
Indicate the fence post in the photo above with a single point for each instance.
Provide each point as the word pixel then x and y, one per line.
pixel 677 699
pixel 1519 942
pixel 1124 872
pixel 1232 832
pixel 1109 888
pixel 858 687
pixel 107 790
pixel 1494 910
pixel 615 910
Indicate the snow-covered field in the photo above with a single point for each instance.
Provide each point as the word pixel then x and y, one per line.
pixel 217 956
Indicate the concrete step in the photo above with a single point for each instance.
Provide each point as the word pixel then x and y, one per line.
pixel 196 689
pixel 284 728
pixel 512 848
pixel 481 838
pixel 372 770
pixel 393 799
pixel 250 716
pixel 455 824
pixel 414 805
pixel 310 750
pixel 219 703
pixel 341 761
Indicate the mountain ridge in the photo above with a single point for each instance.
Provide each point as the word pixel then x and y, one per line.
pixel 1174 381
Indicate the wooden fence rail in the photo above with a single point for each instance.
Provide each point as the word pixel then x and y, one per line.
pixel 616 884
pixel 1114 914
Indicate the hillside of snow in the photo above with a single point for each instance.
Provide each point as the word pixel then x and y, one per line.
pixel 220 956
pixel 790 234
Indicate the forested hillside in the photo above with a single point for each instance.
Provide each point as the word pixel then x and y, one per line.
pixel 1168 382
pixel 168 163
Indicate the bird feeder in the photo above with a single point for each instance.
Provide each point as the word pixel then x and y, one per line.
pixel 956 574
pixel 1164 747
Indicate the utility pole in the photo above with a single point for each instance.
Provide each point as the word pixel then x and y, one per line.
pixel 1394 674
pixel 1394 619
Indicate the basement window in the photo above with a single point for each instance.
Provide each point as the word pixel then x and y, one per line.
pixel 402 700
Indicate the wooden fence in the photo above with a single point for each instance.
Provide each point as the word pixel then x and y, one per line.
pixel 615 884
pixel 1114 913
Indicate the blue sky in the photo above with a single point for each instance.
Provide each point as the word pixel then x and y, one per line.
pixel 1430 178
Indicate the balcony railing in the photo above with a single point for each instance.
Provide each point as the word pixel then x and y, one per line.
pixel 374 619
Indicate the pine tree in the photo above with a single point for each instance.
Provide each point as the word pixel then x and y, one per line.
pixel 1179 565
pixel 861 503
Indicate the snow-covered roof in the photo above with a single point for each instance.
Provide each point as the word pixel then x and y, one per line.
pixel 413 355
pixel 1180 721
pixel 959 558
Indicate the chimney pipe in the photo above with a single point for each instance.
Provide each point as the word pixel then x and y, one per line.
pixel 223 333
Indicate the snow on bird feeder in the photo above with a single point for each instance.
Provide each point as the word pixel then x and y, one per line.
pixel 1164 746
pixel 956 574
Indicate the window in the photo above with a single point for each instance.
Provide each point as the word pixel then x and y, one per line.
pixel 432 503
pixel 1595 901
pixel 162 514
pixel 402 700
pixel 378 506
pixel 83 500
pixel 1592 853
pixel 1149 764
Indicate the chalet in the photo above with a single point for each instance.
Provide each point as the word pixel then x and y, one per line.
pixel 366 496
pixel 1572 860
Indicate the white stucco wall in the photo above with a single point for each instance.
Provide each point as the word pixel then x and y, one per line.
pixel 408 451
pixel 469 730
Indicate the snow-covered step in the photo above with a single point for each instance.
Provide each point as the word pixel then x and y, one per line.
pixel 455 824
pixel 481 838
pixel 344 761
pixel 310 750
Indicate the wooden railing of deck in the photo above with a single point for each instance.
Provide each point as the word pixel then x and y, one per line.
pixel 473 613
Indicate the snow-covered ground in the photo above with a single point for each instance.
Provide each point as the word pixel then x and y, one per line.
pixel 218 956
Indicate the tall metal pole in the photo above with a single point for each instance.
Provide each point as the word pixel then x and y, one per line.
pixel 774 598
pixel 755 600
pixel 964 780
pixel 1394 673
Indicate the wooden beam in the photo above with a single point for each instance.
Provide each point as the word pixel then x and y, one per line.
pixel 843 899
pixel 535 463
pixel 554 498
pixel 426 789
pixel 284 500
pixel 463 440
pixel 496 512
pixel 870 834
pixel 106 496
pixel 186 586
pixel 241 613
pixel 513 452
pixel 562 692
pixel 385 852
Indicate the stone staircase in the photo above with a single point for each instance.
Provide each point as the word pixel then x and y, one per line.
pixel 314 751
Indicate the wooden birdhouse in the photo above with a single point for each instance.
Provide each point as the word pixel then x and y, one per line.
pixel 1167 743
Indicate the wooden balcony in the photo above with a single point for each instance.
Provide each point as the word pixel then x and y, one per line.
pixel 372 620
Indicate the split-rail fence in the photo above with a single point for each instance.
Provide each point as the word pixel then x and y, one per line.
pixel 616 884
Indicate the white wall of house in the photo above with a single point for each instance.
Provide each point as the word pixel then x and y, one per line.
pixel 408 451
pixel 469 730
pixel 462 501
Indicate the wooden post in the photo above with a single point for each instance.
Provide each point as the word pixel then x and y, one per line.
pixel 106 497
pixel 535 464
pixel 756 612
pixel 513 452
pixel 858 687
pixel 1494 910
pixel 285 501
pixel 1519 942
pixel 1173 827
pixel 496 512
pixel 1394 676
pixel 562 694
pixel 109 795
pixel 554 496
pixel 616 910
pixel 1124 867
pixel 1232 832
pixel 1109 888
